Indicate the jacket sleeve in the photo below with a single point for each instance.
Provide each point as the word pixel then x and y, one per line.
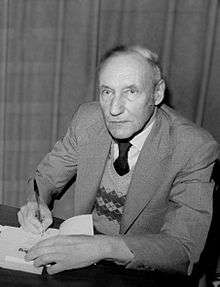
pixel 58 166
pixel 183 234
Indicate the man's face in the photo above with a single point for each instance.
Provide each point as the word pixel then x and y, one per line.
pixel 126 94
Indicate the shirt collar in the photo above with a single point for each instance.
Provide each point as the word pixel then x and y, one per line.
pixel 139 139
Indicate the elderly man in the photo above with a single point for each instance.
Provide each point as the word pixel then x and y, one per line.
pixel 143 171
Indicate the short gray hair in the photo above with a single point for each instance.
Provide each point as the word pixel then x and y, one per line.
pixel 150 57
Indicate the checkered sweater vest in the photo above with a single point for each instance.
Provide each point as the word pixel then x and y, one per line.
pixel 110 200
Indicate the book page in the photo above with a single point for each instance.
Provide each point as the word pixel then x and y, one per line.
pixel 15 241
pixel 82 224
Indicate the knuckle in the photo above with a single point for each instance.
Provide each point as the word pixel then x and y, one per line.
pixel 22 209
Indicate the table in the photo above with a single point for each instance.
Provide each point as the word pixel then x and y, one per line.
pixel 104 274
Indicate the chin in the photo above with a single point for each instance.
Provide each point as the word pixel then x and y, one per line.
pixel 120 135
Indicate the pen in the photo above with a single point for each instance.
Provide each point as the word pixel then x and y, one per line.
pixel 44 272
pixel 37 197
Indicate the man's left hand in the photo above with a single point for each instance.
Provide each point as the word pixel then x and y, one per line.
pixel 64 252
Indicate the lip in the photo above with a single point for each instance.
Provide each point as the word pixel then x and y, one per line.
pixel 117 123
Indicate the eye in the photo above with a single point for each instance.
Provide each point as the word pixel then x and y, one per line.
pixel 106 92
pixel 131 93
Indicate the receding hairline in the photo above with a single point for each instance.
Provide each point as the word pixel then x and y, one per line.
pixel 145 54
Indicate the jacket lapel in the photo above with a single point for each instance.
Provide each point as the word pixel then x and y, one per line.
pixel 93 155
pixel 145 175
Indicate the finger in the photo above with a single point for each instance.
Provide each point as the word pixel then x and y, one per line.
pixel 60 266
pixel 29 212
pixel 22 214
pixel 20 218
pixel 35 252
pixel 47 221
pixel 51 241
pixel 55 268
pixel 39 250
pixel 47 259
pixel 28 222
pixel 46 216
pixel 33 225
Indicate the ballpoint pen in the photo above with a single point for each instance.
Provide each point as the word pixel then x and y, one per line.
pixel 44 272
pixel 39 217
pixel 37 197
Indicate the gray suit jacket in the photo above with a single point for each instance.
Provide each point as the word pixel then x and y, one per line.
pixel 169 202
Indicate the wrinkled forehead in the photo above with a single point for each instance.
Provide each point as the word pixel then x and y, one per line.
pixel 122 67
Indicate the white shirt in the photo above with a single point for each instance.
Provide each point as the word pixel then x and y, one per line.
pixel 137 144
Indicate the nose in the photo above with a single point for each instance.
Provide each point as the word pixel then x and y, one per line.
pixel 117 106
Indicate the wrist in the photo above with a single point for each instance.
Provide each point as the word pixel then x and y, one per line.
pixel 104 246
pixel 114 248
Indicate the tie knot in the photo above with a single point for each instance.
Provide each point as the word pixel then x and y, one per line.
pixel 123 148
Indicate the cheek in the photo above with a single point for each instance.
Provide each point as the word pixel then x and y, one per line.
pixel 140 115
pixel 135 111
pixel 104 106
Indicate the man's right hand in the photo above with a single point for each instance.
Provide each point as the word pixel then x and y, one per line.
pixel 28 220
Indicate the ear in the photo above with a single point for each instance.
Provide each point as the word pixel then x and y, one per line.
pixel 159 92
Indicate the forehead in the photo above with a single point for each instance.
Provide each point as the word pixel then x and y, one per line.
pixel 126 68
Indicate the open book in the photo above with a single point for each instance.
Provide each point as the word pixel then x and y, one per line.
pixel 14 241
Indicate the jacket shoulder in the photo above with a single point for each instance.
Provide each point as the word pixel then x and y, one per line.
pixel 88 119
pixel 88 114
pixel 184 130
pixel 88 111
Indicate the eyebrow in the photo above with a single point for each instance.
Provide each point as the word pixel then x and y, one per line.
pixel 133 86
pixel 105 87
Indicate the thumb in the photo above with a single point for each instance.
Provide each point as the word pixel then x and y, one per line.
pixel 47 221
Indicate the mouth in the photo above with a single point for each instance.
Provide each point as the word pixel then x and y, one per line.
pixel 117 122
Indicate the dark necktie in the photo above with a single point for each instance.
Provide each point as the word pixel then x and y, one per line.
pixel 121 163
